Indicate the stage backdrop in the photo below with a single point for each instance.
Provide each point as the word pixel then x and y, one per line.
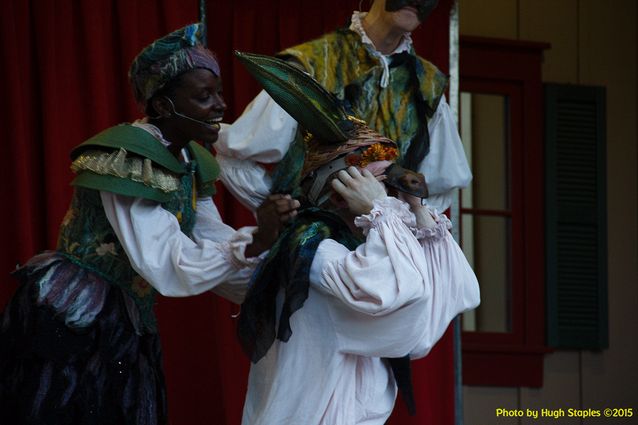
pixel 63 79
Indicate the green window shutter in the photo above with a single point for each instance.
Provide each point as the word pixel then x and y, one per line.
pixel 576 217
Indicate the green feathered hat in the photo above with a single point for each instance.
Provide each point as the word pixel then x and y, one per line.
pixel 313 107
pixel 336 139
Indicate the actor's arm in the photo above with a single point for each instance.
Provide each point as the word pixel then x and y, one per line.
pixel 170 261
pixel 261 135
pixel 394 294
pixel 210 227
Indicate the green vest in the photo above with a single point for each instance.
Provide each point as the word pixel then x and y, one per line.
pixel 129 161
pixel 339 59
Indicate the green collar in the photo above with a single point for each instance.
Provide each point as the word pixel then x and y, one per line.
pixel 135 140
pixel 140 142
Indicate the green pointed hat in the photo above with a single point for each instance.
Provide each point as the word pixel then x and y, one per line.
pixel 313 107
pixel 335 136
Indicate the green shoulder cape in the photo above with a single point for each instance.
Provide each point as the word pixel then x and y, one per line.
pixel 128 160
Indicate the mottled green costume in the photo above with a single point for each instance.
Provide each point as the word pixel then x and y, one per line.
pixel 128 160
pixel 345 66
pixel 78 342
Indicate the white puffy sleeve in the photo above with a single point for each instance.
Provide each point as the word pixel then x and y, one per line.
pixel 445 168
pixel 262 134
pixel 174 264
pixel 394 294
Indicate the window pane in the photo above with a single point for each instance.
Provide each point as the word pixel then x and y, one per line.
pixel 484 131
pixel 487 246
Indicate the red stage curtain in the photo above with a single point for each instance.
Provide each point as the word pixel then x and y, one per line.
pixel 64 67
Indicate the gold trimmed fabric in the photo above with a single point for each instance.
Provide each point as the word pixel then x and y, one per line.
pixel 118 164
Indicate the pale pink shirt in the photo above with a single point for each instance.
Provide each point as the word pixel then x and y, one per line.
pixel 394 295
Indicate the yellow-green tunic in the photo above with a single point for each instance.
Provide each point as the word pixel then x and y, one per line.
pixel 347 67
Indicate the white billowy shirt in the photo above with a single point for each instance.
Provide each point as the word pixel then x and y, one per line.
pixel 394 295
pixel 174 264
pixel 264 131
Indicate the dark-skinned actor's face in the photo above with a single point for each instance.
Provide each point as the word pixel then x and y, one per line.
pixel 198 95
pixel 422 8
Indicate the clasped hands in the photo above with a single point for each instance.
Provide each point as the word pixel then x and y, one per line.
pixel 272 216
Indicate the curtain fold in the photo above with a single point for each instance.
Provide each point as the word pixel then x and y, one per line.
pixel 64 78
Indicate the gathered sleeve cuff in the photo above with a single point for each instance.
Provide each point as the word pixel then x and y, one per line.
pixel 234 250
pixel 174 264
pixel 383 210
pixel 394 209
pixel 440 230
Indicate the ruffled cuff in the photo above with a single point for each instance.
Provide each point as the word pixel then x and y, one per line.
pixel 384 210
pixel 436 232
pixel 234 250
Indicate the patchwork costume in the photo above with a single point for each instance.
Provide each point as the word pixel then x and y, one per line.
pixel 328 305
pixel 78 341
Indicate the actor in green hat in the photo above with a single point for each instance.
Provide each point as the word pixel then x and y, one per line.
pixel 364 279
pixel 78 341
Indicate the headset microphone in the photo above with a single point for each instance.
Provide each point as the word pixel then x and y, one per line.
pixel 187 117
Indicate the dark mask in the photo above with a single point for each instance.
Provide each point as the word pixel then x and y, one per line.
pixel 407 181
pixel 423 7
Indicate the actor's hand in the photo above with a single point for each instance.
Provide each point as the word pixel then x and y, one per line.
pixel 421 212
pixel 272 215
pixel 358 189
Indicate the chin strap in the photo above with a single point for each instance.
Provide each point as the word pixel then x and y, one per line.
pixel 321 176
